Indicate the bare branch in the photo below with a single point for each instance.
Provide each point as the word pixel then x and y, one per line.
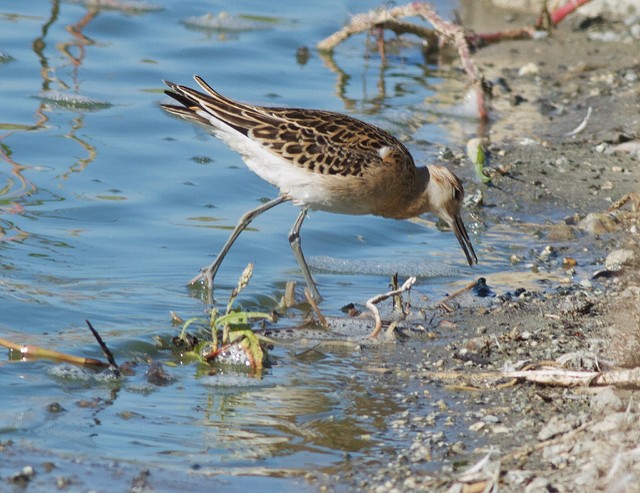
pixel 371 304
pixel 388 19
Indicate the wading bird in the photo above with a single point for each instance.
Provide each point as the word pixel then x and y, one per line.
pixel 321 160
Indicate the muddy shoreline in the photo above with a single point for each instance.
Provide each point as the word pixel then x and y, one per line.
pixel 568 296
pixel 571 299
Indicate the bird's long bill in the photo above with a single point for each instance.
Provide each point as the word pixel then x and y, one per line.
pixel 463 238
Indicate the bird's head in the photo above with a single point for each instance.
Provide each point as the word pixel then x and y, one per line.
pixel 445 197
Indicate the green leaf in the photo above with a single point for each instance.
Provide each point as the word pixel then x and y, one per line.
pixel 251 344
pixel 235 318
pixel 475 152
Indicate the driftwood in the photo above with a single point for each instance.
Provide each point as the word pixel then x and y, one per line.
pixel 547 375
pixel 371 303
pixel 568 378
pixel 444 32
pixel 389 19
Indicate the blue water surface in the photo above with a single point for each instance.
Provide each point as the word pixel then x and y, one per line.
pixel 108 207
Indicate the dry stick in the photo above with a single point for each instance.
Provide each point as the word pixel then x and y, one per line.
pixel 314 306
pixel 389 18
pixel 401 27
pixel 483 39
pixel 106 351
pixel 360 23
pixel 443 302
pixel 39 352
pixel 552 376
pixel 371 304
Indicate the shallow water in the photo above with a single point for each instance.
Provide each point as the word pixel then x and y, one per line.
pixel 108 207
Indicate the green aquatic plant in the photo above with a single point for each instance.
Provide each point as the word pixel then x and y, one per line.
pixel 233 326
pixel 477 155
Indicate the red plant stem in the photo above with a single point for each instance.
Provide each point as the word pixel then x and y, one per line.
pixel 561 12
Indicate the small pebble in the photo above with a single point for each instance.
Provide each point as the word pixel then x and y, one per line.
pixel 597 223
pixel 605 36
pixel 606 402
pixel 477 426
pixel 528 69
pixel 586 283
pixel 617 259
pixel 500 429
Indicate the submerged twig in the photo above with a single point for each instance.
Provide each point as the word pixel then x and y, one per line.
pixel 371 303
pixel 105 350
pixel 39 352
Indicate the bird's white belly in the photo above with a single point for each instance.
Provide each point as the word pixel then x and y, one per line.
pixel 305 188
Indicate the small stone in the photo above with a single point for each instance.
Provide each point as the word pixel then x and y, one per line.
pixel 477 426
pixel 54 408
pixel 611 423
pixel 597 223
pixel 528 69
pixel 602 147
pixel 63 482
pixel 586 283
pixel 473 200
pixel 539 485
pixel 617 259
pixel 23 477
pixel 410 484
pixel 560 232
pixel 518 477
pixel 604 36
pixel 547 252
pixel 607 185
pixel 561 162
pixel 558 426
pixel 606 402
